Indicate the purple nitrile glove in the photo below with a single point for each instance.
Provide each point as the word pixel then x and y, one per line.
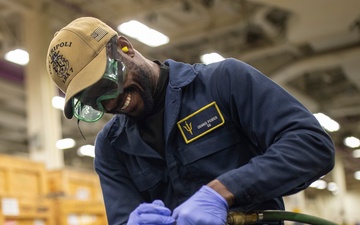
pixel 206 206
pixel 151 213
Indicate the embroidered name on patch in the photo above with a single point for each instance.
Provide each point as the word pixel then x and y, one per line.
pixel 200 122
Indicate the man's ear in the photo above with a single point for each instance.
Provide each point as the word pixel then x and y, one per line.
pixel 125 46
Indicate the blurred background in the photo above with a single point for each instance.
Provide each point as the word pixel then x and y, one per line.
pixel 311 48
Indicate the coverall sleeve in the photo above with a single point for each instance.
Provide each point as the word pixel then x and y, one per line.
pixel 294 148
pixel 120 195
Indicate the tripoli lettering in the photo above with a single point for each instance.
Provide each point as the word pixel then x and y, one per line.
pixel 60 64
pixel 62 44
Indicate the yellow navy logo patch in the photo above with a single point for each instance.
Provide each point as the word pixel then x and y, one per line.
pixel 200 122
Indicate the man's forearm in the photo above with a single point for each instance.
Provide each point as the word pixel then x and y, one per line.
pixel 223 191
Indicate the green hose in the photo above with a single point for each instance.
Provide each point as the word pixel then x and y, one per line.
pixel 239 218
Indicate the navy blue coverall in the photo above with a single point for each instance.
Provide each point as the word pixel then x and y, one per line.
pixel 224 121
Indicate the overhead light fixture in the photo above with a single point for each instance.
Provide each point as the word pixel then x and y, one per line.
pixel 332 186
pixel 319 184
pixel 86 150
pixel 352 142
pixel 143 33
pixel 357 175
pixel 327 123
pixel 211 58
pixel 58 102
pixel 65 143
pixel 356 153
pixel 17 56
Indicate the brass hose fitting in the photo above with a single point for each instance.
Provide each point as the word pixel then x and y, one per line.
pixel 240 218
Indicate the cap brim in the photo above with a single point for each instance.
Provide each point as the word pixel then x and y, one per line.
pixel 88 76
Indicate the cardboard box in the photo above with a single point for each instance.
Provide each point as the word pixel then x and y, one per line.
pixel 79 212
pixel 22 177
pixel 75 184
pixel 26 211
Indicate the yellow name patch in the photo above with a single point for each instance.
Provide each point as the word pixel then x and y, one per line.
pixel 200 122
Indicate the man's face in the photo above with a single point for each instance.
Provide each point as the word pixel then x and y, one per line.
pixel 136 101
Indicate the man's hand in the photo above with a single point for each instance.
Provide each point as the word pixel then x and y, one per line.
pixel 151 213
pixel 206 206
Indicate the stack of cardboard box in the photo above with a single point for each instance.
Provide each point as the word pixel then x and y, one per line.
pixel 32 195
pixel 23 191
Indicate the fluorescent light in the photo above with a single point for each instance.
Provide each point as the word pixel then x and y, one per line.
pixel 143 33
pixel 58 102
pixel 326 122
pixel 356 153
pixel 17 56
pixel 332 186
pixel 86 150
pixel 336 192
pixel 211 58
pixel 352 142
pixel 65 143
pixel 357 175
pixel 319 184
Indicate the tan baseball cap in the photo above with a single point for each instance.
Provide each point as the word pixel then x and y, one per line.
pixel 76 57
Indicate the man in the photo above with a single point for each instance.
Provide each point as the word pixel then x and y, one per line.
pixel 187 143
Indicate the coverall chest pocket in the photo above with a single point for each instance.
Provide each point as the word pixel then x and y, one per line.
pixel 146 177
pixel 211 155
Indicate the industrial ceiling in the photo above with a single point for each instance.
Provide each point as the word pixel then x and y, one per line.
pixel 311 48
